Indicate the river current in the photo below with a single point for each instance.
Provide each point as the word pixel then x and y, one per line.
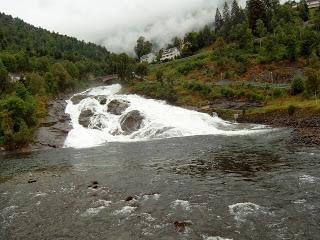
pixel 220 181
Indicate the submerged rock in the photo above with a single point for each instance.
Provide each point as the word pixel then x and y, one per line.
pixel 117 107
pixel 131 122
pixel 99 122
pixel 85 116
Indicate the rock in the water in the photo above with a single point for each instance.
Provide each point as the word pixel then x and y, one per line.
pixel 101 99
pixel 99 122
pixel 117 107
pixel 76 99
pixel 131 122
pixel 85 116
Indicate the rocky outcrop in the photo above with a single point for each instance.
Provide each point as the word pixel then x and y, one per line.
pixel 54 129
pixel 131 122
pixel 76 99
pixel 84 117
pixel 117 107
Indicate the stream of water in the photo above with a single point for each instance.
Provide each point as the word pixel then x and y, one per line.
pixel 204 179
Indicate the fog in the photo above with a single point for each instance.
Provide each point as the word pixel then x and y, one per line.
pixel 115 24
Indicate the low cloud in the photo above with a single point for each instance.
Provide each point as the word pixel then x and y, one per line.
pixel 116 24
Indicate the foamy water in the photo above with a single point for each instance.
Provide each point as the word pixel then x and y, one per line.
pixel 161 120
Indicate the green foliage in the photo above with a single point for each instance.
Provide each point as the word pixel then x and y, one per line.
pixel 36 84
pixel 143 47
pixel 256 11
pixel 4 79
pixel 227 92
pixel 157 90
pixel 297 85
pixel 142 69
pixel 188 67
pixel 291 110
pixel 196 86
pixel 313 81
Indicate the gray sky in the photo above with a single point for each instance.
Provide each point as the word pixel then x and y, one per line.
pixel 115 24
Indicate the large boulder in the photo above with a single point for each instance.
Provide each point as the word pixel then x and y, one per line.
pixel 131 122
pixel 85 116
pixel 117 107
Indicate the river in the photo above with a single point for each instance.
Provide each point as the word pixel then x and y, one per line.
pixel 212 180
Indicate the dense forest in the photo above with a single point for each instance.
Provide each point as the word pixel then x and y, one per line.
pixel 36 65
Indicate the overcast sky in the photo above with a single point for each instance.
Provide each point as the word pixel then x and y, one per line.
pixel 115 24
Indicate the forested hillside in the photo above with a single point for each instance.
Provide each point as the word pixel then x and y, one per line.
pixel 36 64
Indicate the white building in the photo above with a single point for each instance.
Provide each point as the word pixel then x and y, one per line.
pixel 170 54
pixel 149 58
pixel 313 3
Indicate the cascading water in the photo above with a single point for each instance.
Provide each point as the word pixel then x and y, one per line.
pixel 134 118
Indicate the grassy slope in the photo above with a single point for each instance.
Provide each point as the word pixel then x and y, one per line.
pixel 194 80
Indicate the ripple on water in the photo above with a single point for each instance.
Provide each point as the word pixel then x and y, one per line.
pixel 215 238
pixel 241 211
pixel 92 211
pixel 125 211
pixel 307 179
pixel 181 204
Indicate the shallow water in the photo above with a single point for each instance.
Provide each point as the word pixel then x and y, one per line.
pixel 256 186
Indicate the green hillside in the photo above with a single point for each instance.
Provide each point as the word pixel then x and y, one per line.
pixel 36 65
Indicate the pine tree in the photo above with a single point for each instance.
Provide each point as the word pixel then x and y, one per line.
pixel 227 24
pixel 218 22
pixel 235 13
pixel 303 10
pixel 256 11
pixel 226 13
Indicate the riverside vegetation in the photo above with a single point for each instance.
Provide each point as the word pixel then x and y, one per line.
pixel 257 60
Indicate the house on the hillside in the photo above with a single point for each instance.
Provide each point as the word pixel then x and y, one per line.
pixel 313 3
pixel 310 3
pixel 149 58
pixel 170 54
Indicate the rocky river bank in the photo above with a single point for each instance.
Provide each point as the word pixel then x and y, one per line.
pixel 55 128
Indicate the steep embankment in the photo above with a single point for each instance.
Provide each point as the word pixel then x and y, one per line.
pixel 258 91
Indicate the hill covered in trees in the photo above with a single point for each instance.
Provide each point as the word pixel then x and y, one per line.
pixel 36 64
pixel 261 59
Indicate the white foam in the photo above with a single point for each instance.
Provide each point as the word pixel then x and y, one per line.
pixel 182 204
pixel 307 179
pixel 160 121
pixel 215 238
pixel 125 210
pixel 240 211
pixel 92 211
pixel 155 196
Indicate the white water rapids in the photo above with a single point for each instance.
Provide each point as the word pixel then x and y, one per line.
pixel 160 120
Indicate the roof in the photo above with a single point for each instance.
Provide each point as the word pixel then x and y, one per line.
pixel 171 50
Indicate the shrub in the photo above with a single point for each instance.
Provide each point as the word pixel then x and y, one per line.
pixel 227 92
pixel 297 85
pixel 291 110
pixel 188 67
pixel 277 93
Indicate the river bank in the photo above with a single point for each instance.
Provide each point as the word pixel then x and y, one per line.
pixel 304 122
